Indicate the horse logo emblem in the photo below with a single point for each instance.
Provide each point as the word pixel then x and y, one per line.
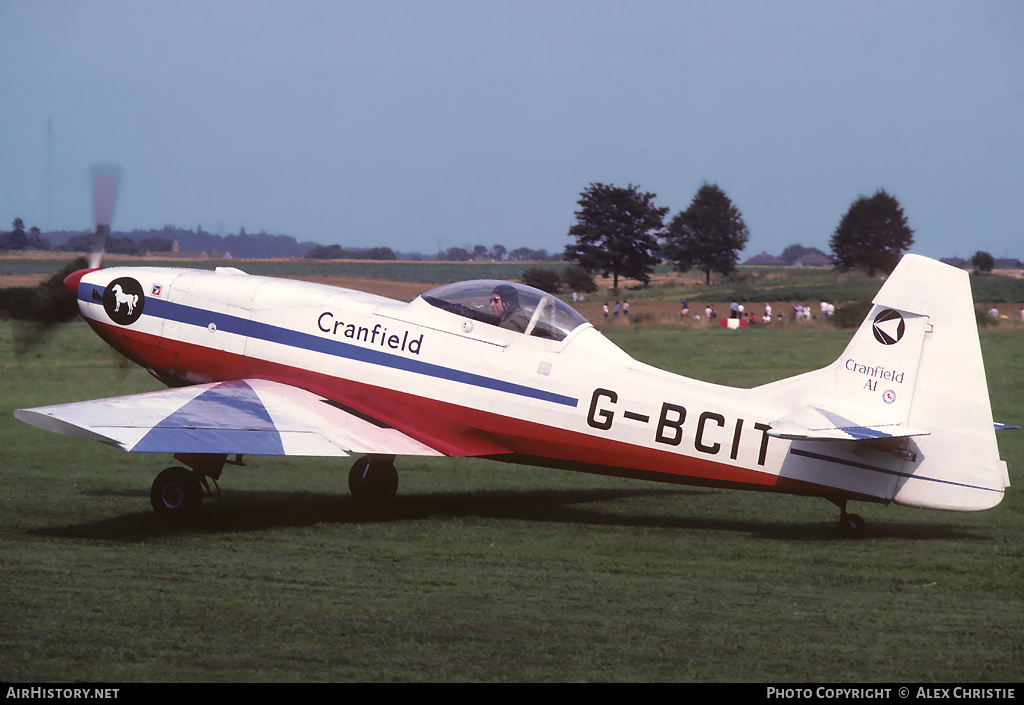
pixel 123 300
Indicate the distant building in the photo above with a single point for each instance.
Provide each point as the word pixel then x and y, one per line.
pixel 765 260
pixel 814 259
pixel 175 253
pixel 999 263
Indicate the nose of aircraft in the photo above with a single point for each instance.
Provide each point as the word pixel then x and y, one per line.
pixel 72 280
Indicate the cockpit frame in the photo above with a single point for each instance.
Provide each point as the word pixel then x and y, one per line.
pixel 547 315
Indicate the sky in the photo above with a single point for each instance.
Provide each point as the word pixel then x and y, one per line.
pixel 427 124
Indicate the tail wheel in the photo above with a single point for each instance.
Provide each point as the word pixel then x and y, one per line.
pixel 176 494
pixel 373 480
pixel 851 526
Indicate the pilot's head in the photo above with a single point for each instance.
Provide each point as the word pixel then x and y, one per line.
pixel 504 300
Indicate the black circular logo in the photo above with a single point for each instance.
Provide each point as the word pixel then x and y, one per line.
pixel 123 300
pixel 888 327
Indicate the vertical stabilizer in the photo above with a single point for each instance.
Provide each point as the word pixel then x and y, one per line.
pixel 957 464
pixel 912 378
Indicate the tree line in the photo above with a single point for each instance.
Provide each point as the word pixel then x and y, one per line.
pixel 19 239
pixel 498 253
pixel 245 246
pixel 620 232
pixel 140 242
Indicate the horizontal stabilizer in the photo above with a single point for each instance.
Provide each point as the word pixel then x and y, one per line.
pixel 813 423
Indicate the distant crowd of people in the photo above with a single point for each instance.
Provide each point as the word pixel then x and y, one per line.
pixel 619 309
pixel 800 312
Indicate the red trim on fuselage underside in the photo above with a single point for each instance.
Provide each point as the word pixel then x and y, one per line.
pixel 141 348
pixel 450 428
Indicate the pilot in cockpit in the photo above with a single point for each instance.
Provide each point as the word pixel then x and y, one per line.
pixel 505 305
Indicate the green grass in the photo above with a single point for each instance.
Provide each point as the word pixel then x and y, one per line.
pixel 487 572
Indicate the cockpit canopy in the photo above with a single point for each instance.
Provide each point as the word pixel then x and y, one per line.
pixel 541 314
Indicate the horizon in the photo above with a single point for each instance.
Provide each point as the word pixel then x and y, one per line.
pixel 140 233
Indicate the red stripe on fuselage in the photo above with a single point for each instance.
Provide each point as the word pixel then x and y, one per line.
pixel 449 428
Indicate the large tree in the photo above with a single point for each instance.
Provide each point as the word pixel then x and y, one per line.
pixel 616 232
pixel 873 234
pixel 708 235
pixel 983 262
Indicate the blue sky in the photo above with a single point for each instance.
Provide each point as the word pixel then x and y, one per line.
pixel 431 124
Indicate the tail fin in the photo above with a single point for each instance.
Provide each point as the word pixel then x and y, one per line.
pixel 912 371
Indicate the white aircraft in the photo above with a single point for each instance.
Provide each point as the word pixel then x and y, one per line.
pixel 488 369
pixel 260 365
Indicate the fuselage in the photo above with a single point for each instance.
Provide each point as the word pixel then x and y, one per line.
pixel 463 386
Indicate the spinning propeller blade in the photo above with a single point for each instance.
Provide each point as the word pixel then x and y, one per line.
pixel 50 303
pixel 105 178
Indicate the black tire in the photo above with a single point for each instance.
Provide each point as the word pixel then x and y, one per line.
pixel 373 481
pixel 851 526
pixel 176 494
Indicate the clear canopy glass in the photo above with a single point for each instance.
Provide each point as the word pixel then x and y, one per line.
pixel 509 305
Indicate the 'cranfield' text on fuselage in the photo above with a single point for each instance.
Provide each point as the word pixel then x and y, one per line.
pixel 377 335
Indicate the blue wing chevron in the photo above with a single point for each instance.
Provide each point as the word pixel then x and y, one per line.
pixel 256 417
pixel 228 416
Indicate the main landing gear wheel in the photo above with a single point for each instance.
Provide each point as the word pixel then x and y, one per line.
pixel 373 480
pixel 176 494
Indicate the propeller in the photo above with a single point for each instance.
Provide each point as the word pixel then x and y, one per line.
pixel 105 178
pixel 42 307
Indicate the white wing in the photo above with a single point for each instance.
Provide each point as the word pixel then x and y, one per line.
pixel 245 416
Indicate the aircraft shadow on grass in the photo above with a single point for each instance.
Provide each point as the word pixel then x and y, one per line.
pixel 245 511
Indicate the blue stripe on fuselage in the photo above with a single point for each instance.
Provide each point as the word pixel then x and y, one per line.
pixel 885 471
pixel 189 315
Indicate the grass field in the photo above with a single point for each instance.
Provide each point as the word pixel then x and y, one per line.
pixel 488 572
